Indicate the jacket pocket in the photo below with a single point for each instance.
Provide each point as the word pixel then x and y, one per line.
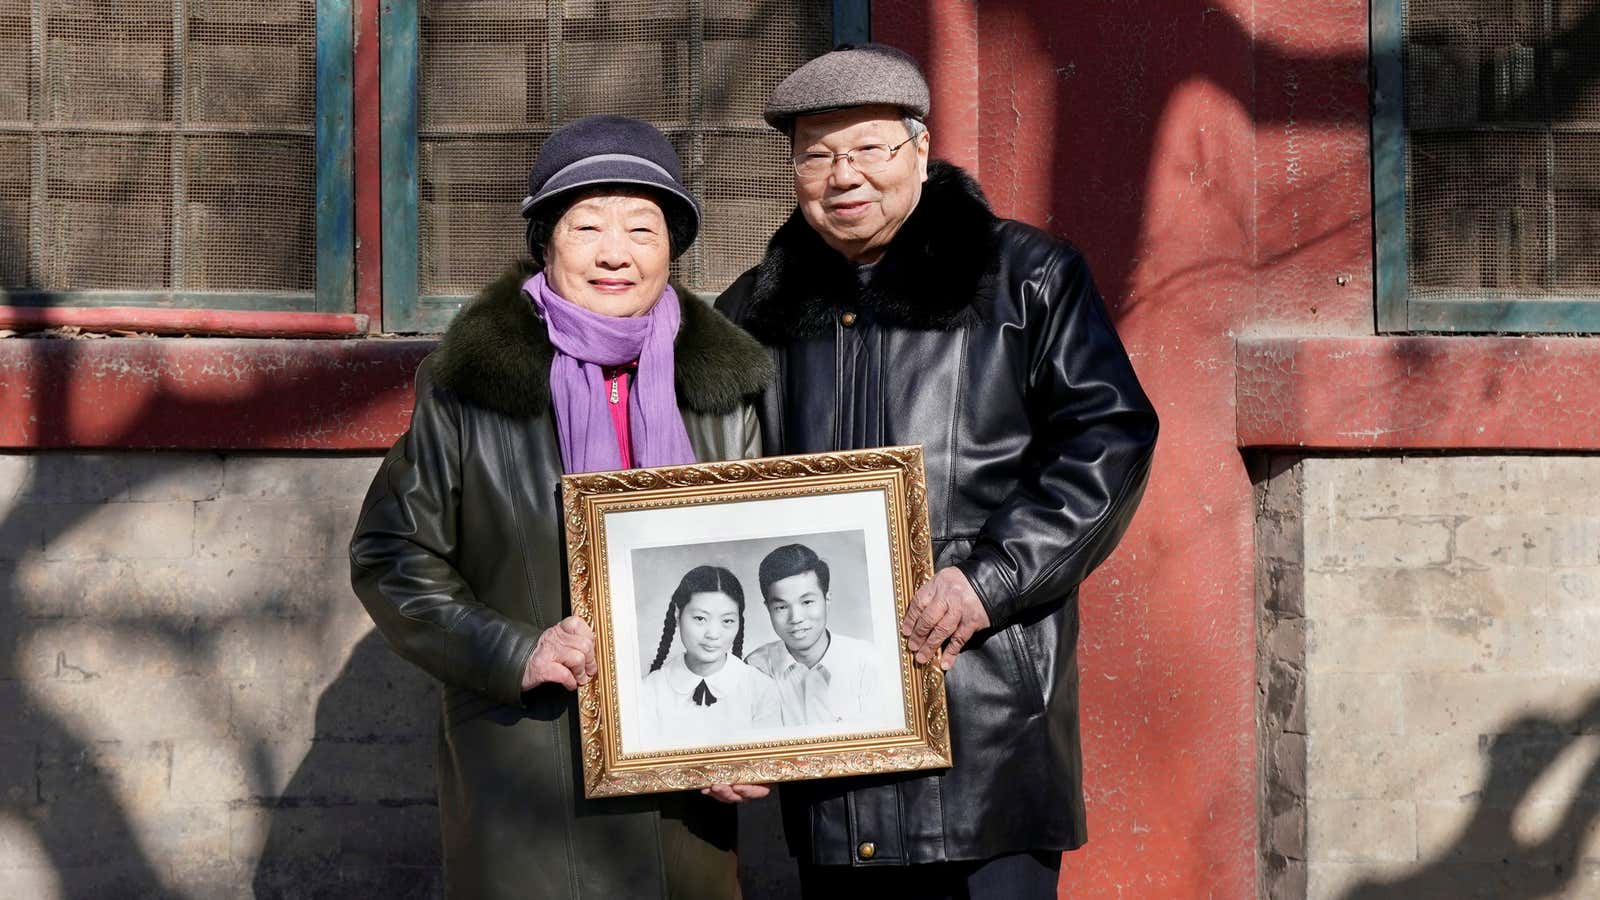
pixel 1027 675
pixel 461 706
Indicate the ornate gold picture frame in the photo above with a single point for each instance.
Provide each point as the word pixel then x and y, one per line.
pixel 707 675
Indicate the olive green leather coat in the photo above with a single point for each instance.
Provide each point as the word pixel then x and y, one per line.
pixel 458 557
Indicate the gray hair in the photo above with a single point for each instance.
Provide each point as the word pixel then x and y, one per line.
pixel 914 127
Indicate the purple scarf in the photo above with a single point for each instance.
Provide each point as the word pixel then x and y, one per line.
pixel 586 342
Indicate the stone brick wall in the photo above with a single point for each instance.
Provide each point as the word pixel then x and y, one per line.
pixel 1280 679
pixel 194 703
pixel 1452 691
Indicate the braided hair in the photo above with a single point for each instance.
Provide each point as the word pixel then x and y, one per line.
pixel 701 580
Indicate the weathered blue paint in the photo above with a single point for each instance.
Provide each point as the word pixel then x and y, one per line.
pixel 399 62
pixel 852 21
pixel 1389 167
pixel 1508 315
pixel 336 287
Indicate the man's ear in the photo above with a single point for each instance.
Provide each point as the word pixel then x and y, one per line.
pixel 924 147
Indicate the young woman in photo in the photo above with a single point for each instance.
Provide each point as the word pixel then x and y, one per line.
pixel 705 694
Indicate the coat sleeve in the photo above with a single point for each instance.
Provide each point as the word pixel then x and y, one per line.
pixel 1094 433
pixel 402 561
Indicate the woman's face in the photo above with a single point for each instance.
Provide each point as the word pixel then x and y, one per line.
pixel 609 254
pixel 707 625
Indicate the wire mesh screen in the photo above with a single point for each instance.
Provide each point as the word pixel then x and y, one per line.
pixel 157 145
pixel 497 77
pixel 1503 142
pixel 16 162
pixel 16 61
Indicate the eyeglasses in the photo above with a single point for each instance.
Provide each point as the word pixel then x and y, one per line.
pixel 868 160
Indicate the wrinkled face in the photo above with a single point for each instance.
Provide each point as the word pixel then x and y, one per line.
pixel 609 254
pixel 857 214
pixel 707 625
pixel 799 610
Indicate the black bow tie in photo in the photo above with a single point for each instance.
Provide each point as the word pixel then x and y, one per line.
pixel 703 695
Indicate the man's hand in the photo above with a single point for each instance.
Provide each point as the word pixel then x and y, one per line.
pixel 944 613
pixel 736 793
pixel 564 655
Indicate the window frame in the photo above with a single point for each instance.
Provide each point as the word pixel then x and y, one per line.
pixel 1397 312
pixel 404 309
pixel 333 288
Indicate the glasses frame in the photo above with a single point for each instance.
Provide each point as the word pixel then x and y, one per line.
pixel 848 156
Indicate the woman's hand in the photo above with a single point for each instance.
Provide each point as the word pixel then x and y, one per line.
pixel 736 793
pixel 564 655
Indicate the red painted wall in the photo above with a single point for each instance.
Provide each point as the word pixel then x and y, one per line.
pixel 1211 162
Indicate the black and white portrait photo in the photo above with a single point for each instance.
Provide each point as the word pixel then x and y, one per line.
pixel 743 630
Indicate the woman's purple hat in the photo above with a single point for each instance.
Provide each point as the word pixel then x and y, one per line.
pixel 601 150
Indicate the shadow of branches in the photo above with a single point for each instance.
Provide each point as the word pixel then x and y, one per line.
pixel 1487 858
pixel 159 641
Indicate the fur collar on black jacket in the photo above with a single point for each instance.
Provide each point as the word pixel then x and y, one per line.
pixel 497 354
pixel 933 276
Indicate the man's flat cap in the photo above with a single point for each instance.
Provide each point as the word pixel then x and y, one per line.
pixel 860 75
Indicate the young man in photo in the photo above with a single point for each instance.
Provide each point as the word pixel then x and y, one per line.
pixel 823 677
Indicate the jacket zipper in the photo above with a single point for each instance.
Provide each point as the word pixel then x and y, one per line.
pixel 838 385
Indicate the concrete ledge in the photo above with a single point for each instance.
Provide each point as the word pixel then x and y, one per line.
pixel 1439 393
pixel 211 394
pixel 206 322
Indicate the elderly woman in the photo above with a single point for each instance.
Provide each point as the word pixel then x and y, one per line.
pixel 584 359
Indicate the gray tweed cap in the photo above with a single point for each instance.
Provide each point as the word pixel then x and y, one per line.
pixel 859 75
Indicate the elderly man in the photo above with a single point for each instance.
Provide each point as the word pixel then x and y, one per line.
pixel 900 310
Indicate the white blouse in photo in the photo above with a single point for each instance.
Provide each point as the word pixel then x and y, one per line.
pixel 670 715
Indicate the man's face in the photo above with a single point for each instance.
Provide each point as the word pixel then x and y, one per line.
pixel 799 610
pixel 857 214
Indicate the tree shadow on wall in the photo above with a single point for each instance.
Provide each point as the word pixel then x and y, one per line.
pixel 61 770
pixel 54 782
pixel 359 818
pixel 1488 858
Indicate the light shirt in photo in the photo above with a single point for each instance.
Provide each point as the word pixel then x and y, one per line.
pixel 844 685
pixel 746 700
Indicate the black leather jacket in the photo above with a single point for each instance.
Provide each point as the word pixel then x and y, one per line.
pixel 985 341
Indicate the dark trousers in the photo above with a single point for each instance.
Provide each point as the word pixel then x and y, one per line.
pixel 1015 876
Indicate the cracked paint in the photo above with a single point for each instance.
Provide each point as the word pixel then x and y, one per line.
pixel 223 393
pixel 1435 393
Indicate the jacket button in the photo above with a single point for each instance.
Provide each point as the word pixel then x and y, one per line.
pixel 847 320
pixel 867 850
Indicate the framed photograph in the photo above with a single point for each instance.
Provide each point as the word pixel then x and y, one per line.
pixel 746 617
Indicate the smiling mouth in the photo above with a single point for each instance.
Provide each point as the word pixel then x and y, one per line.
pixel 610 284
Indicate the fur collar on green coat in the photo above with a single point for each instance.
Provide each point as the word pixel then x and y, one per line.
pixel 497 354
